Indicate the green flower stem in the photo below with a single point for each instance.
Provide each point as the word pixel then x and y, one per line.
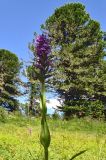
pixel 45 134
pixel 46 154
pixel 43 100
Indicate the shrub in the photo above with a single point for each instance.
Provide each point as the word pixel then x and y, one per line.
pixel 3 114
pixel 55 115
pixel 96 109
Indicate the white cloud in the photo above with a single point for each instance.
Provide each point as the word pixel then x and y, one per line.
pixel 53 103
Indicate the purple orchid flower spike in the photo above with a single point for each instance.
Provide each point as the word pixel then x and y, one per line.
pixel 42 51
pixel 43 63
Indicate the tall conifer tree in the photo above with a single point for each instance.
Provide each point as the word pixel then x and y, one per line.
pixel 78 42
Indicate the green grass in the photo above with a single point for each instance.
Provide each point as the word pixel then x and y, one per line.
pixel 68 138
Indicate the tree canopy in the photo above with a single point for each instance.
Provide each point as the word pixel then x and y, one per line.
pixel 9 78
pixel 79 50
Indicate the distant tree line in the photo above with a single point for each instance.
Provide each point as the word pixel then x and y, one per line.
pixel 79 69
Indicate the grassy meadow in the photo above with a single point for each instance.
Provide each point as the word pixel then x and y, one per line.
pixel 19 139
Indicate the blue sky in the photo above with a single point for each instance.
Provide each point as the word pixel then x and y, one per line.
pixel 19 19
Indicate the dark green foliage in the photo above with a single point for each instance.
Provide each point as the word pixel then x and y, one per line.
pixel 56 115
pixel 3 115
pixel 33 108
pixel 79 56
pixel 96 109
pixel 75 108
pixel 82 108
pixel 9 78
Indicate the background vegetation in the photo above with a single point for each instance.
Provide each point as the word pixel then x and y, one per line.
pixel 78 75
pixel 19 139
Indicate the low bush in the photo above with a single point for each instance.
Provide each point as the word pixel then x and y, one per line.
pixel 3 114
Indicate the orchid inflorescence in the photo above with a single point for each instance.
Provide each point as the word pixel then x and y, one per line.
pixel 42 51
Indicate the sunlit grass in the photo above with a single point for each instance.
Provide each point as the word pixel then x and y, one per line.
pixel 19 139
